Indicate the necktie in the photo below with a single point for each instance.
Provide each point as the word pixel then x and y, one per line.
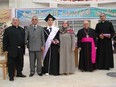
pixel 50 29
pixel 34 27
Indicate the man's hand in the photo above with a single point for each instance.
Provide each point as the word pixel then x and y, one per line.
pixel 73 49
pixel 5 52
pixel 79 48
pixel 55 41
pixel 42 48
pixel 101 36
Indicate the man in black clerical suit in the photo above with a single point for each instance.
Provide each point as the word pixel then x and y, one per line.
pixel 105 32
pixel 86 38
pixel 14 44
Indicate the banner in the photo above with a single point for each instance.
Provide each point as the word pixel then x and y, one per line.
pixel 66 13
pixel 25 15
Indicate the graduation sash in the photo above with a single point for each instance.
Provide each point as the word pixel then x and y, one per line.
pixel 93 53
pixel 49 40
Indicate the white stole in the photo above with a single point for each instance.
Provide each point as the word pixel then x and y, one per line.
pixel 49 40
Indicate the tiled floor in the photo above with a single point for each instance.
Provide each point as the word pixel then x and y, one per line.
pixel 97 78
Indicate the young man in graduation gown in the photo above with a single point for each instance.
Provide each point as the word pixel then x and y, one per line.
pixel 87 46
pixel 105 32
pixel 14 44
pixel 51 52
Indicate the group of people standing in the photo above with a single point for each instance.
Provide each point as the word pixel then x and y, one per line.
pixel 51 49
pixel 44 48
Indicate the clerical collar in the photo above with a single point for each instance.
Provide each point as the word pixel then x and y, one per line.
pixel 102 21
pixel 15 26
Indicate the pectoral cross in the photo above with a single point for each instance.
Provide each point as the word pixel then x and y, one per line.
pixel 87 35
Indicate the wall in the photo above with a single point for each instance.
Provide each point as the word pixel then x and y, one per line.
pixel 4 4
pixel 30 4
pixel 110 5
pixel 26 4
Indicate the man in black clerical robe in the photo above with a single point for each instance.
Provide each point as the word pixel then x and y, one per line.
pixel 14 44
pixel 87 45
pixel 105 32
pixel 51 52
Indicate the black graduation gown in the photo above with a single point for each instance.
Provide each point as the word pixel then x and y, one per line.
pixel 51 61
pixel 104 49
pixel 85 61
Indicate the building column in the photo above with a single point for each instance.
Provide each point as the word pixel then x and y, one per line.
pixel 12 5
pixel 93 21
pixel 54 5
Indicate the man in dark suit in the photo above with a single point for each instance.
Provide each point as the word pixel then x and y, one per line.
pixel 34 38
pixel 14 44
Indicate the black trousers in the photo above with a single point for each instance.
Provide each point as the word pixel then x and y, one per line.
pixel 16 63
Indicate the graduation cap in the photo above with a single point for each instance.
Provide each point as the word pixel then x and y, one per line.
pixel 49 16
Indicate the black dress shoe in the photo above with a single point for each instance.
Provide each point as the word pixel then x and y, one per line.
pixel 21 75
pixel 11 79
pixel 31 75
pixel 40 74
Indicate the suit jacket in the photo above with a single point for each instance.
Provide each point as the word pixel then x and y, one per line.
pixel 12 38
pixel 34 38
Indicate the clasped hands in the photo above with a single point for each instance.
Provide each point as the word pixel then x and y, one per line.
pixel 55 41
pixel 104 35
